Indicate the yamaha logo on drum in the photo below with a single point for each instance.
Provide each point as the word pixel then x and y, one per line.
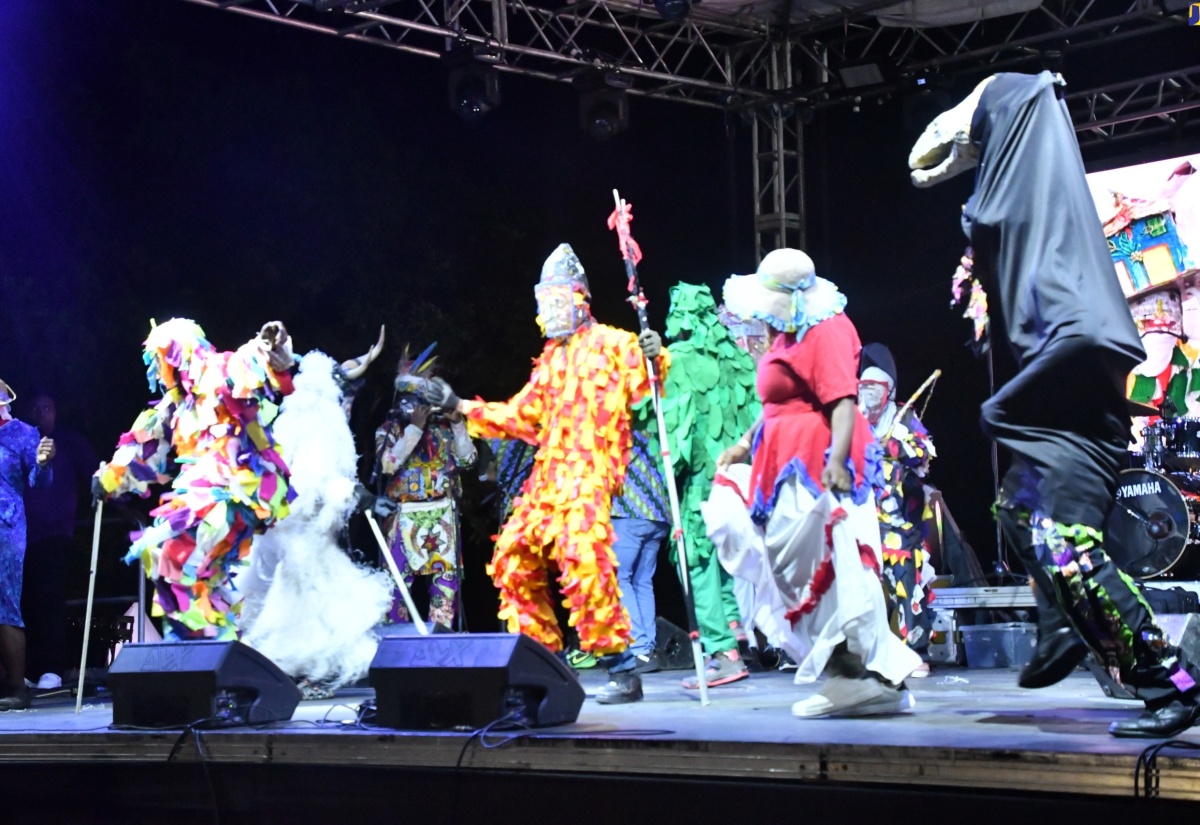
pixel 1147 488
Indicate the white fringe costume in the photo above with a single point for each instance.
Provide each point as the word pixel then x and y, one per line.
pixel 308 607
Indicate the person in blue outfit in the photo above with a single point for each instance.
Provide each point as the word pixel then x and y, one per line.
pixel 641 520
pixel 24 462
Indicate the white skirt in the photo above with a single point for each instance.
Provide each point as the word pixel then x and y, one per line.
pixel 814 574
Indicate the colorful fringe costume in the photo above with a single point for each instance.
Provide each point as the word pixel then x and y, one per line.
pixel 900 497
pixel 710 401
pixel 424 466
pixel 216 413
pixel 576 409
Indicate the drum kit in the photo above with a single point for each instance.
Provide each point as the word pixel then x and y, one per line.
pixel 1153 529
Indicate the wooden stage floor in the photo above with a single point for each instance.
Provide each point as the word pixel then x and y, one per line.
pixel 972 731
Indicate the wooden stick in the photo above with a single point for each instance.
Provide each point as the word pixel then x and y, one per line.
pixel 391 563
pixel 87 616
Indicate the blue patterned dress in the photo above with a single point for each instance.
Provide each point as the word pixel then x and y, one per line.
pixel 18 469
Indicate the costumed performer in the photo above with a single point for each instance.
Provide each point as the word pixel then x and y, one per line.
pixel 900 498
pixel 710 401
pixel 24 462
pixel 576 409
pixel 216 413
pixel 1042 257
pixel 641 520
pixel 422 453
pixel 801 523
pixel 308 607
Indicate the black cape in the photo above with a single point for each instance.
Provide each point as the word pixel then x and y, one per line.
pixel 1040 251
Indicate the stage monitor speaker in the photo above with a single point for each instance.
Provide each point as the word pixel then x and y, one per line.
pixel 469 680
pixel 674 646
pixel 176 684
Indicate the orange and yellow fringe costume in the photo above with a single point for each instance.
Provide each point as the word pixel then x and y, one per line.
pixel 575 410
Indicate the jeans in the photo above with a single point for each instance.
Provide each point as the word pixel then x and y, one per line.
pixel 636 547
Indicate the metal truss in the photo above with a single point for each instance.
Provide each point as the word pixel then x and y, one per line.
pixel 775 61
pixel 980 47
pixel 1146 106
pixel 777 139
pixel 697 61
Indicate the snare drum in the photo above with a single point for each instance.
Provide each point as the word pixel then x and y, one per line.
pixel 1154 527
pixel 1182 442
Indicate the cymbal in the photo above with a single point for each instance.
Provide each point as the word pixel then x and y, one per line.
pixel 1138 408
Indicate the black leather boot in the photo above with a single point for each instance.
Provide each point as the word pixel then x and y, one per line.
pixel 1059 648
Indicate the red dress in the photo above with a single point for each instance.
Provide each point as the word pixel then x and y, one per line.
pixel 798 381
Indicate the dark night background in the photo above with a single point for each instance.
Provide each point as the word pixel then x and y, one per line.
pixel 161 159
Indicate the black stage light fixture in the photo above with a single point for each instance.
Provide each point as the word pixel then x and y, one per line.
pixel 603 103
pixel 863 74
pixel 673 10
pixel 346 5
pixel 211 684
pixel 474 82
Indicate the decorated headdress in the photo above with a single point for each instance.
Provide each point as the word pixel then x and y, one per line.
pixel 169 352
pixel 413 376
pixel 7 396
pixel 785 293
pixel 945 148
pixel 563 267
pixel 562 293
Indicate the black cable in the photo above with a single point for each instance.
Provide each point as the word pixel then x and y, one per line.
pixel 1145 772
pixel 208 780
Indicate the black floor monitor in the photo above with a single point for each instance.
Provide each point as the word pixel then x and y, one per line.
pixel 469 680
pixel 175 684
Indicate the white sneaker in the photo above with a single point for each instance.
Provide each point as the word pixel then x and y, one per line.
pixel 49 681
pixel 853 697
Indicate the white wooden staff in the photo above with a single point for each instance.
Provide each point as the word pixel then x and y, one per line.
pixel 87 616
pixel 391 563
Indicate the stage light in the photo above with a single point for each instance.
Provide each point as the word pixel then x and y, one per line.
pixel 860 75
pixel 673 10
pixel 474 82
pixel 603 103
pixel 345 5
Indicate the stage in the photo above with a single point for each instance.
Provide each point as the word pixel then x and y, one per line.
pixel 973 737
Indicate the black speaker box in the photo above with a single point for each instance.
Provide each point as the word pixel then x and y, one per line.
pixel 469 680
pixel 175 684
pixel 674 646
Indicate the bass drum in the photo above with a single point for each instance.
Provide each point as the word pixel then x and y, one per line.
pixel 1154 527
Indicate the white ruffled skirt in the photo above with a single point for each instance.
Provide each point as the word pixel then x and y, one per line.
pixel 814 572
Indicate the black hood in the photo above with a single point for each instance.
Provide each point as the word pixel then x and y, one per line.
pixel 1039 247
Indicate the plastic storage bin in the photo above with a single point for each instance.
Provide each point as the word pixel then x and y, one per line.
pixel 999 645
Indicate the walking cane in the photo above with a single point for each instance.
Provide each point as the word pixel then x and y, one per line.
pixel 87 616
pixel 391 563
pixel 632 253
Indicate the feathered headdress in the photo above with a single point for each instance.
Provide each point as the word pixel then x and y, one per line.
pixel 414 373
